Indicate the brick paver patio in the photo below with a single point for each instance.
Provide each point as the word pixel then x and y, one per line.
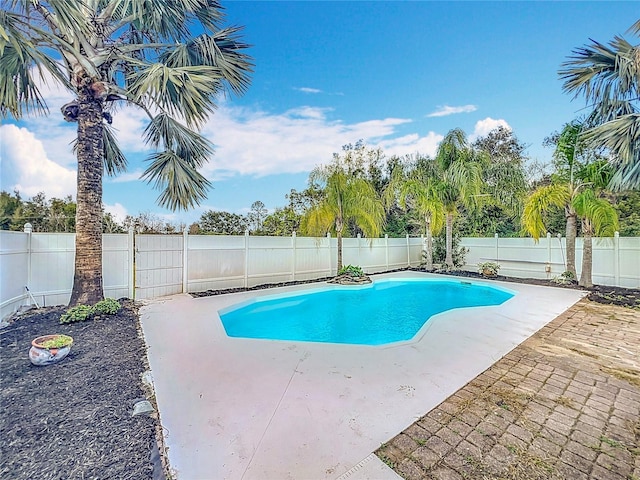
pixel 563 405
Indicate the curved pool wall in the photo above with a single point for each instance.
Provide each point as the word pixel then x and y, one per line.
pixel 386 311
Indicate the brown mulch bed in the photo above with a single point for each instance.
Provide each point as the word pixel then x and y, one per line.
pixel 73 419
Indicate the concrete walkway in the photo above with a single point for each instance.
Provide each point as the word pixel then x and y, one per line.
pixel 563 405
pixel 236 408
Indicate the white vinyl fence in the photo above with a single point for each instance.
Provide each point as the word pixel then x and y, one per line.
pixel 37 268
pixel 616 261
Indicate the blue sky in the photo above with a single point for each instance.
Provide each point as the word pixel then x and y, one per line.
pixel 398 75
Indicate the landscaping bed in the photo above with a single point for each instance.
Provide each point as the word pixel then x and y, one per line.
pixel 73 419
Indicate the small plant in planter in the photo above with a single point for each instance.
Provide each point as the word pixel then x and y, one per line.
pixel 488 269
pixel 351 275
pixel 565 278
pixel 352 271
pixel 48 349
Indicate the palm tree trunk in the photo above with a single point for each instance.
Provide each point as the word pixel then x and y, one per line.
pixel 339 227
pixel 449 241
pixel 87 280
pixel 586 279
pixel 339 235
pixel 571 242
pixel 428 254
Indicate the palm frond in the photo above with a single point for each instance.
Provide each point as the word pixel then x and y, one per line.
pixel 622 137
pixel 222 50
pixel 362 204
pixel 601 217
pixel 319 220
pixel 22 63
pixel 182 185
pixel 465 177
pixel 626 177
pixel 180 91
pixel 114 160
pixel 602 73
pixel 166 132
pixel 451 148
pixel 538 203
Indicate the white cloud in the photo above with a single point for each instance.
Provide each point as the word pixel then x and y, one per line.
pixel 117 210
pixel 413 143
pixel 445 110
pixel 27 168
pixel 483 127
pixel 253 142
pixel 308 90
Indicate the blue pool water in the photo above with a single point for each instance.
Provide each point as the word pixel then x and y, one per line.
pixel 387 311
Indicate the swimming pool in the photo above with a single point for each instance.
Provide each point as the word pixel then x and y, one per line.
pixel 387 311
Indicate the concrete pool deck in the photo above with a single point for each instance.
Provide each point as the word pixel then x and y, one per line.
pixel 234 408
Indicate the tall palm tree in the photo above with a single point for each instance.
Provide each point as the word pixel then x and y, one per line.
pixel 347 197
pixel 561 193
pixel 461 180
pixel 609 78
pixel 598 217
pixel 575 188
pixel 135 52
pixel 416 187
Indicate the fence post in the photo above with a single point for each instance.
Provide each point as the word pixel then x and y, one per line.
pixel 497 241
pixel 547 268
pixel 28 228
pixel 185 260
pixel 131 247
pixel 386 251
pixel 329 257
pixel 616 261
pixel 408 251
pixel 246 259
pixel 293 262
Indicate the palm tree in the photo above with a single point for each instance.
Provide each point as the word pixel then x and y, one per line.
pixel 599 218
pixel 609 78
pixel 347 197
pixel 138 53
pixel 461 180
pixel 577 189
pixel 415 188
pixel 560 193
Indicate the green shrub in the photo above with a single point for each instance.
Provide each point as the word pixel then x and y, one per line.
pixel 488 269
pixel 77 314
pixel 80 313
pixel 351 270
pixel 108 306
